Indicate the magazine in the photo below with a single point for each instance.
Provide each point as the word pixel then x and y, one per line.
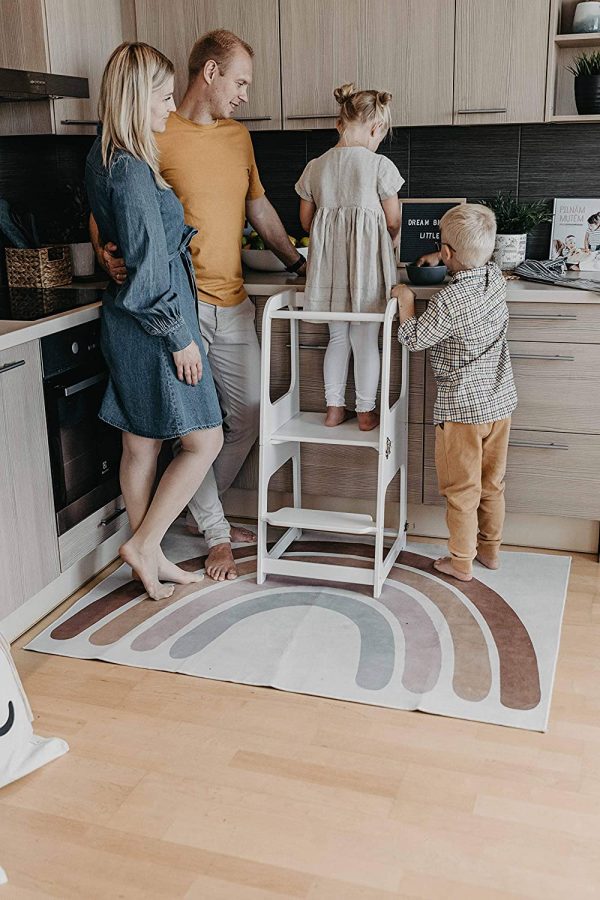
pixel 575 235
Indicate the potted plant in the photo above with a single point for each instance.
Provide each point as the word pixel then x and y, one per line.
pixel 514 221
pixel 586 69
pixel 70 225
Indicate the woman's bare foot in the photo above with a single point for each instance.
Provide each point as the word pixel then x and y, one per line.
pixel 241 535
pixel 169 571
pixel 335 416
pixel 490 562
pixel 367 421
pixel 445 565
pixel 145 565
pixel 220 564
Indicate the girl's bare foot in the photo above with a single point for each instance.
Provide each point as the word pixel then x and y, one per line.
pixel 490 562
pixel 367 421
pixel 445 565
pixel 145 565
pixel 335 415
pixel 169 571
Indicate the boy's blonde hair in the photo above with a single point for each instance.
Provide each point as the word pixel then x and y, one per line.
pixel 470 230
pixel 133 71
pixel 363 106
pixel 218 45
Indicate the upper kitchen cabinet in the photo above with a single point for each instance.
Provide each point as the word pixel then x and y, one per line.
pixel 501 51
pixel 174 25
pixel 320 49
pixel 407 48
pixel 23 46
pixel 81 36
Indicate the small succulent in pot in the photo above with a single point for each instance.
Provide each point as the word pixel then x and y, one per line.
pixel 586 69
pixel 514 221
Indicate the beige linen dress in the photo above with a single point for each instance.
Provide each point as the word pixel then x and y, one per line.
pixel 351 264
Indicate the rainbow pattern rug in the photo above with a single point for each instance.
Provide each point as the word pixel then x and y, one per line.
pixel 484 650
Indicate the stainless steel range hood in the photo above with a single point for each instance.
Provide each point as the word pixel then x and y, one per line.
pixel 19 84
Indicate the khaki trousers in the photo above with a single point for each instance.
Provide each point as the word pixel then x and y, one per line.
pixel 471 464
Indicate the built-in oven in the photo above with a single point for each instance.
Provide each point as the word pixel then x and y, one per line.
pixel 84 451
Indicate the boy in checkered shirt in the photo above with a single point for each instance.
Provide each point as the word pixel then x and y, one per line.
pixel 464 327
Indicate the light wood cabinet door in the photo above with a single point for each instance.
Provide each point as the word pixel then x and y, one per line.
pixel 23 46
pixel 81 36
pixel 407 48
pixel 501 49
pixel 173 26
pixel 28 540
pixel 320 50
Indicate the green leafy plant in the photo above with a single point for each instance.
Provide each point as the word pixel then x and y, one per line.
pixel 585 64
pixel 513 217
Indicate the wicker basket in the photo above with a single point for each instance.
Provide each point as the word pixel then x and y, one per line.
pixel 45 267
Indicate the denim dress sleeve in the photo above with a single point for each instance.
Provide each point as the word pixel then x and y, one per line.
pixel 147 293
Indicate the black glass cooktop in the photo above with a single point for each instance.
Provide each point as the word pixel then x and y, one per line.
pixel 28 304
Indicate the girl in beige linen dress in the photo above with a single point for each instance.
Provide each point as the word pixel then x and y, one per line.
pixel 349 202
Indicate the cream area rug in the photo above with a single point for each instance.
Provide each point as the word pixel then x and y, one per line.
pixel 483 650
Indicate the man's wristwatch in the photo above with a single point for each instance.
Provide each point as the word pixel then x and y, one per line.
pixel 297 265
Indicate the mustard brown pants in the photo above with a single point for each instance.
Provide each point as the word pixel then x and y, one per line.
pixel 471 463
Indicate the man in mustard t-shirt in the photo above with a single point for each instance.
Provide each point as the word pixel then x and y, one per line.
pixel 208 160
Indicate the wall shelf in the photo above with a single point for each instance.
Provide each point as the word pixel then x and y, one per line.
pixel 574 118
pixel 563 48
pixel 577 40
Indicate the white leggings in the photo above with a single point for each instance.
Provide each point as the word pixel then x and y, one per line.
pixel 363 339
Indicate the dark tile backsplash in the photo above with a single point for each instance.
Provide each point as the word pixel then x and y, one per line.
pixel 38 173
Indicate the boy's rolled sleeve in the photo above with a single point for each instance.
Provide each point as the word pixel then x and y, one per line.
pixel 428 329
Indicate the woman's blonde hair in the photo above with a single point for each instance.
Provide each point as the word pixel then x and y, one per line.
pixel 133 72
pixel 363 106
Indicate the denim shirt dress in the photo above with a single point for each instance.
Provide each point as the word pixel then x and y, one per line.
pixel 153 313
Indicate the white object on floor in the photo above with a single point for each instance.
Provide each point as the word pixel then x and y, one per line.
pixel 3 878
pixel 21 751
pixel 283 430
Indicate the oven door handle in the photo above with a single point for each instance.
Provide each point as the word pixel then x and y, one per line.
pixel 82 385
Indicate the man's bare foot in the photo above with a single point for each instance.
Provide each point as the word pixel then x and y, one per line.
pixel 220 564
pixel 367 421
pixel 169 571
pixel 490 562
pixel 335 416
pixel 445 565
pixel 241 535
pixel 145 566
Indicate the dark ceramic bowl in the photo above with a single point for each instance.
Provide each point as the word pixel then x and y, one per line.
pixel 423 275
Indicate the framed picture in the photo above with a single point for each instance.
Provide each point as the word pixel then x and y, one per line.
pixel 576 234
pixel 420 226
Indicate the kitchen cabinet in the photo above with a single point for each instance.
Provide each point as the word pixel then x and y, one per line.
pixel 501 49
pixel 28 541
pixel 23 46
pixel 174 25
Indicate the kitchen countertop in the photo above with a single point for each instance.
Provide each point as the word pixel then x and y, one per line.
pixel 263 284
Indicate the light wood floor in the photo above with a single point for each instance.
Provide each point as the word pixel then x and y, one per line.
pixel 182 787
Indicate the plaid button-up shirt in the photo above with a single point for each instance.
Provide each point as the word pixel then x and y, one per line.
pixel 465 326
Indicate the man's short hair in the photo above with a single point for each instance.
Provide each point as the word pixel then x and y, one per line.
pixel 218 45
pixel 470 229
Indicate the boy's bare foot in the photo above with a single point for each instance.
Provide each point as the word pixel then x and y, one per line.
pixel 367 421
pixel 487 560
pixel 220 564
pixel 169 571
pixel 335 415
pixel 241 535
pixel 444 564
pixel 145 566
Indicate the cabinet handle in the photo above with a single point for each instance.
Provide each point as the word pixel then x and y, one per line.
pixel 538 445
pixel 79 121
pixel 310 346
pixel 555 317
pixel 315 116
pixel 112 517
pixel 14 365
pixel 548 356
pixel 472 112
pixel 253 118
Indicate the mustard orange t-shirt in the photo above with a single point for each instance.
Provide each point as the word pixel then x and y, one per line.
pixel 212 170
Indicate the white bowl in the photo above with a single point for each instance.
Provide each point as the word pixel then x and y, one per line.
pixel 265 260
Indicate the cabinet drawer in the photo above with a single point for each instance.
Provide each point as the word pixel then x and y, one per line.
pixel 548 473
pixel 558 386
pixel 340 471
pixel 573 323
pixel 93 531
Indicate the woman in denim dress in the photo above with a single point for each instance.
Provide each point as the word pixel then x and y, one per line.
pixel 160 384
